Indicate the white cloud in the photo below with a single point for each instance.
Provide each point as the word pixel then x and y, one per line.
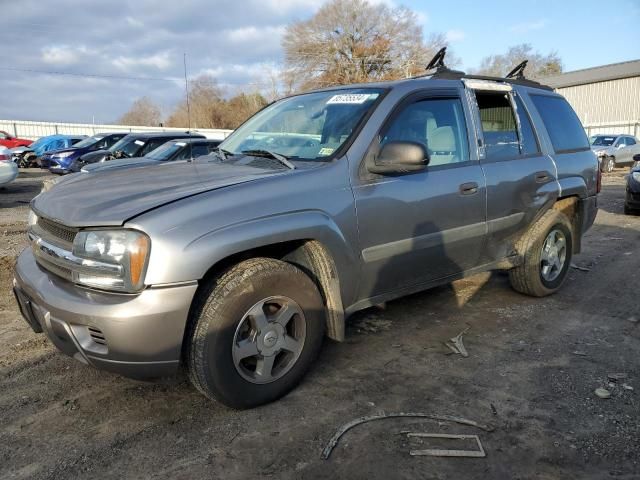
pixel 455 35
pixel 253 34
pixel 63 54
pixel 134 22
pixel 528 26
pixel 422 17
pixel 161 61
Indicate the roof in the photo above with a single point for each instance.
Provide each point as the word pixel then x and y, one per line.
pixel 170 134
pixel 614 71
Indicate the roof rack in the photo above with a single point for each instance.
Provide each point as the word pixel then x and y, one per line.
pixel 515 76
pixel 518 71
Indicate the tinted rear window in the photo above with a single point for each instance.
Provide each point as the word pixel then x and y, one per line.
pixel 562 123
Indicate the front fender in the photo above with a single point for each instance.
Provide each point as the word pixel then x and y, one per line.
pixel 207 250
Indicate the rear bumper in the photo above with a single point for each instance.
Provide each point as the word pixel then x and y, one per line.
pixel 137 336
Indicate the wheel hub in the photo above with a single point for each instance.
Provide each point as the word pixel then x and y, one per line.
pixel 554 254
pixel 269 339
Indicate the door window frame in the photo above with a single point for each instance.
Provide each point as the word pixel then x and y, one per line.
pixel 511 95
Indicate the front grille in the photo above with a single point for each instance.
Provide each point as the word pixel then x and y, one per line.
pixel 55 269
pixel 58 232
pixel 97 335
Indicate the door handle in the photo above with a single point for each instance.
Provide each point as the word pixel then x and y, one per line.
pixel 469 188
pixel 542 177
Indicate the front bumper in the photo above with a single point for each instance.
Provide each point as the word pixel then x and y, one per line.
pixel 138 336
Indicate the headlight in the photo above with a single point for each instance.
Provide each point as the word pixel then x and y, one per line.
pixel 117 259
pixel 62 155
pixel 32 219
pixel 636 176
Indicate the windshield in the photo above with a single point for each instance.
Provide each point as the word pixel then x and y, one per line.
pixel 165 151
pixel 128 145
pixel 311 126
pixel 88 142
pixel 603 141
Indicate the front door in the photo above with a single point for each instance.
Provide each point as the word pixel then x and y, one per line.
pixel 422 226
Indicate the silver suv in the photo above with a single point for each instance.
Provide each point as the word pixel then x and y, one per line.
pixel 614 150
pixel 237 265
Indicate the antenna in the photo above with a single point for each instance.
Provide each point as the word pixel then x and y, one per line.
pixel 186 90
pixel 518 71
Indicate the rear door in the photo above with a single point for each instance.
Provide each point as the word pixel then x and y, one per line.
pixel 521 177
pixel 423 226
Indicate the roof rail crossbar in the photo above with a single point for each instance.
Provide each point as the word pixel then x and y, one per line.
pixel 518 71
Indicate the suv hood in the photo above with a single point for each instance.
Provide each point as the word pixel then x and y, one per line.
pixel 114 196
pixel 119 163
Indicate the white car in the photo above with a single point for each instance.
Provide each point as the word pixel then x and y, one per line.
pixel 8 168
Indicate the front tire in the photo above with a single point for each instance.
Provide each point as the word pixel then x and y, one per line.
pixel 255 331
pixel 609 164
pixel 546 249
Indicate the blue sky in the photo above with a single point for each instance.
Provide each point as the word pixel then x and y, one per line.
pixel 238 43
pixel 585 33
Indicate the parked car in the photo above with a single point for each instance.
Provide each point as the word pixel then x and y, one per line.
pixel 320 205
pixel 632 194
pixel 614 150
pixel 133 145
pixel 8 169
pixel 182 149
pixel 9 141
pixel 59 161
pixel 30 156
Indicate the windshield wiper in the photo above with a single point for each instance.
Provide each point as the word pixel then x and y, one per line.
pixel 268 153
pixel 223 154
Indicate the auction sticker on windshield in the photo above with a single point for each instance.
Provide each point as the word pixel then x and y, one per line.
pixel 356 98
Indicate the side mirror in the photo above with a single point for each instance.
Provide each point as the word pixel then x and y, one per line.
pixel 400 157
pixel 622 145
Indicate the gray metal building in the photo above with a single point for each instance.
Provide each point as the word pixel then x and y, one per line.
pixel 606 98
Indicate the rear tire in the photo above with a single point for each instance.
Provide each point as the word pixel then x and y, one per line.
pixel 255 331
pixel 546 249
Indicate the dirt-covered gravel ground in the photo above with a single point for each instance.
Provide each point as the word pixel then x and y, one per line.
pixel 532 370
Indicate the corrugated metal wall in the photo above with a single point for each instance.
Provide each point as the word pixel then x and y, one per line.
pixel 614 101
pixel 34 130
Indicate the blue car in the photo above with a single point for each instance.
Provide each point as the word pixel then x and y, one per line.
pixel 31 155
pixel 60 160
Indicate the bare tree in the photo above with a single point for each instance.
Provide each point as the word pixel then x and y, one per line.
pixel 209 108
pixel 349 41
pixel 143 112
pixel 539 65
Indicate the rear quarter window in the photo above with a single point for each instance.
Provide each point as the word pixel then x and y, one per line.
pixel 562 123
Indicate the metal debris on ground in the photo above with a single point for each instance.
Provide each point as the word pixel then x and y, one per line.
pixel 602 393
pixel 370 418
pixel 580 353
pixel 455 344
pixel 582 269
pixel 437 452
pixel 614 377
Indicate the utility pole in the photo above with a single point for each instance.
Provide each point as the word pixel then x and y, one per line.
pixel 186 89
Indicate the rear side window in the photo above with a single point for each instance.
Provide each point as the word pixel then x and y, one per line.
pixel 529 142
pixel 498 125
pixel 562 123
pixel 631 141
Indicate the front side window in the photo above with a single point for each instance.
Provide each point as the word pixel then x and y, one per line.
pixel 631 141
pixel 89 142
pixel 165 151
pixel 562 123
pixel 437 124
pixel 310 126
